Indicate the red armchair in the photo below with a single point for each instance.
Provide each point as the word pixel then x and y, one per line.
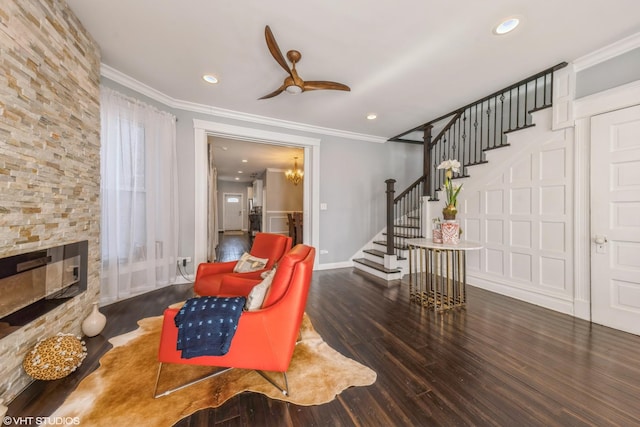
pixel 265 338
pixel 265 245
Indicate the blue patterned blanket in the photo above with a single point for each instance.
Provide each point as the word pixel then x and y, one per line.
pixel 206 325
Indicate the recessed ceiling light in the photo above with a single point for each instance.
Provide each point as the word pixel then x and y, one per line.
pixel 371 116
pixel 210 79
pixel 244 160
pixel 225 148
pixel 237 179
pixel 506 26
pixel 240 172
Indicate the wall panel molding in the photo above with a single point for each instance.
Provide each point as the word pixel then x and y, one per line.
pixel 526 217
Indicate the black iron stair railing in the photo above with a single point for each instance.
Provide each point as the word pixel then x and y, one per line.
pixel 465 135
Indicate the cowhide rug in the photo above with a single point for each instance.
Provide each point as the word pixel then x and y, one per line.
pixel 120 391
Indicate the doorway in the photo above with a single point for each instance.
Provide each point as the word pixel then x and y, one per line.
pixel 232 212
pixel 615 219
pixel 311 183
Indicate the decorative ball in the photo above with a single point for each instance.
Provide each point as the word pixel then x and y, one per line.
pixel 55 357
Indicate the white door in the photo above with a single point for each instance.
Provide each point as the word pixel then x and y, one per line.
pixel 615 219
pixel 232 212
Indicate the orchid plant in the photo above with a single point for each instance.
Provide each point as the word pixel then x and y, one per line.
pixel 450 166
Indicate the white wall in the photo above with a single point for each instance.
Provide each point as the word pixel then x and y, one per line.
pixel 353 187
pixel 616 71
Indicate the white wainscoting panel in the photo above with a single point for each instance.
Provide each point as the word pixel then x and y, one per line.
pixel 521 201
pixel 553 200
pixel 494 202
pixel 521 232
pixel 277 223
pixel 471 229
pixel 522 267
pixel 519 207
pixel 495 231
pixel 495 261
pixel 553 272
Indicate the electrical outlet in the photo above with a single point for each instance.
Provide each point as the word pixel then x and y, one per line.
pixel 184 260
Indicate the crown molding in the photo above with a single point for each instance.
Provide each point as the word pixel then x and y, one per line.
pixel 611 51
pixel 133 84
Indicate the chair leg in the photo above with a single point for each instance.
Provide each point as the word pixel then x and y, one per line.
pixel 196 381
pixel 284 390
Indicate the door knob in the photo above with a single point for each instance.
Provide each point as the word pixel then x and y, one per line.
pixel 600 240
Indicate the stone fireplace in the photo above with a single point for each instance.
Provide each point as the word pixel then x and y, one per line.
pixel 34 283
pixel 49 176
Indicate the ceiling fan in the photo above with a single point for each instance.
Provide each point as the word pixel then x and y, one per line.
pixel 293 83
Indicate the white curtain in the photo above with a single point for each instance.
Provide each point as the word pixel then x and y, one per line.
pixel 212 215
pixel 139 234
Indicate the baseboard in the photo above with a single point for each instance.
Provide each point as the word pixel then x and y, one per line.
pixel 334 265
pixel 582 310
pixel 546 301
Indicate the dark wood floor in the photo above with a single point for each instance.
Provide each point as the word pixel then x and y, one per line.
pixel 498 362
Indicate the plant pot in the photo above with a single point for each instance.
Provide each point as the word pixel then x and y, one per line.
pixel 449 212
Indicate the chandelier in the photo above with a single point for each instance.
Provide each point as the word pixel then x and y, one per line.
pixel 294 175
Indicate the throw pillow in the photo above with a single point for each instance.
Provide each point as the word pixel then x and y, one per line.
pixel 259 291
pixel 248 263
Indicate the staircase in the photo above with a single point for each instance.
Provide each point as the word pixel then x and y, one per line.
pixel 465 134
pixel 373 260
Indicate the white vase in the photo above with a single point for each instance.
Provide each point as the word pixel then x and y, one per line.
pixel 94 323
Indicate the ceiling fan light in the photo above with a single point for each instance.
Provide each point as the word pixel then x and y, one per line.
pixel 293 89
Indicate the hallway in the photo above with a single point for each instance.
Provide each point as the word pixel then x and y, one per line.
pixel 231 246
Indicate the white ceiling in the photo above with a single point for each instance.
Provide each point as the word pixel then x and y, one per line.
pixel 408 61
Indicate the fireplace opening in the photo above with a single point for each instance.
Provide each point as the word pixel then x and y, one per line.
pixel 34 283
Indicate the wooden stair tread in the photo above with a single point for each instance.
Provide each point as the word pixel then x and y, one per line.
pixel 413 227
pixel 380 254
pixel 384 243
pixel 405 236
pixel 376 266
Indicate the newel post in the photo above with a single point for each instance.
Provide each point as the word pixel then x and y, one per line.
pixel 426 161
pixel 390 196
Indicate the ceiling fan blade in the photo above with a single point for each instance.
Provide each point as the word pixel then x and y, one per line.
pixel 274 93
pixel 275 49
pixel 321 85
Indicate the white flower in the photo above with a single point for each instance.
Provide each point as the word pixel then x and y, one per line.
pixel 452 164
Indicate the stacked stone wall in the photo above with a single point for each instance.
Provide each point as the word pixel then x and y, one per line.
pixel 49 157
